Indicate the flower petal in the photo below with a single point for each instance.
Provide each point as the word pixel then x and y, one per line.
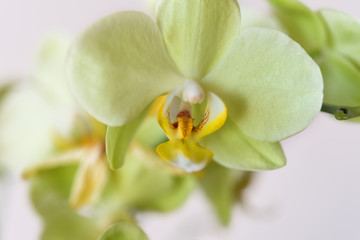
pixel 167 114
pixel 23 102
pixel 302 24
pixel 214 117
pixel 67 158
pixel 233 149
pixel 271 87
pixel 185 154
pixel 255 17
pixel 90 178
pixel 49 71
pixel 221 186
pixel 118 140
pixel 197 33
pixel 118 66
pixel 341 80
pixel 344 33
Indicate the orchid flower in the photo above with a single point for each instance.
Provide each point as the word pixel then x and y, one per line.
pixel 231 95
pixel 45 103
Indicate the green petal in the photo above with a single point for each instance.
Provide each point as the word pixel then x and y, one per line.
pixel 341 80
pixel 90 178
pixel 197 33
pixel 118 66
pixel 271 87
pixel 151 6
pixel 49 71
pixel 221 187
pixel 253 17
pixel 118 140
pixel 302 25
pixel 23 145
pixel 70 157
pixel 124 231
pixel 344 32
pixel 233 149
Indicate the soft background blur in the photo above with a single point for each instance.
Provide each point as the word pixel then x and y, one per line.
pixel 316 196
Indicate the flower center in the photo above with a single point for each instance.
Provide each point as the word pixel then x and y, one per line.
pixel 182 150
pixel 185 123
pixel 192 92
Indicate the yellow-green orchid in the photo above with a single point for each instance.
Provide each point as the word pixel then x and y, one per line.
pixel 332 38
pixel 20 104
pixel 84 147
pixel 33 109
pixel 259 81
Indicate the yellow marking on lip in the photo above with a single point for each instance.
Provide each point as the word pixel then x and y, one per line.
pixel 203 121
pixel 182 150
pixel 185 124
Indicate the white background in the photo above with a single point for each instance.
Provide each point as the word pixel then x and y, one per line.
pixel 316 196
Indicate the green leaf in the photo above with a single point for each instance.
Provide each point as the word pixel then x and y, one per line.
pixel 271 87
pixel 344 33
pixel 50 191
pixel 221 187
pixel 302 24
pixel 124 231
pixel 118 66
pixel 118 140
pixel 197 33
pixel 233 149
pixel 341 80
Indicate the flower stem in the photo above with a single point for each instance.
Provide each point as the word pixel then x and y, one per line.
pixel 341 113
